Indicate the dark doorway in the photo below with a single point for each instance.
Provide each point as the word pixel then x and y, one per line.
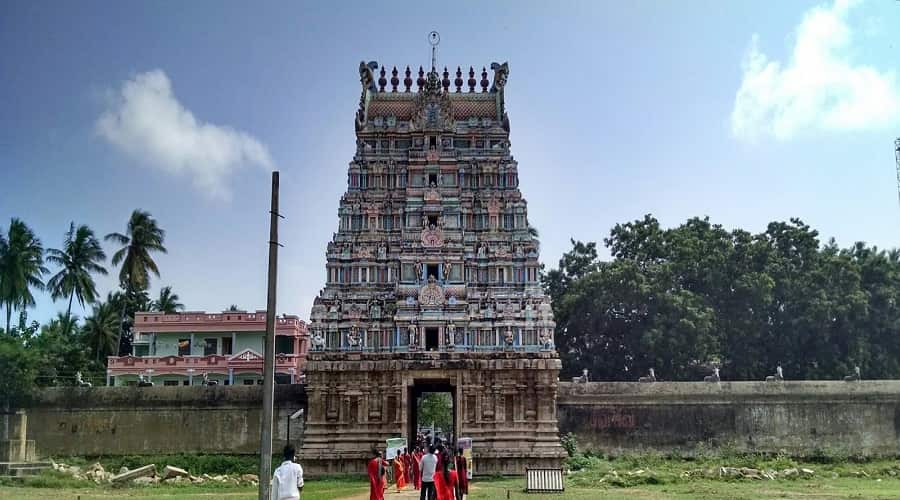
pixel 432 411
pixel 431 339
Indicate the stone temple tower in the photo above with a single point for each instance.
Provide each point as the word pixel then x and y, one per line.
pixel 432 282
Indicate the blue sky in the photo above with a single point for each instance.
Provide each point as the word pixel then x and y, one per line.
pixel 746 112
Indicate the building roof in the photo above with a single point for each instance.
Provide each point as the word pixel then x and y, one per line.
pixel 226 321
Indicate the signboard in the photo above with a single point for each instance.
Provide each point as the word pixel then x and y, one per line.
pixel 466 445
pixel 394 446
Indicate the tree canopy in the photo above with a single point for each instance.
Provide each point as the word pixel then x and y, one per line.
pixel 686 299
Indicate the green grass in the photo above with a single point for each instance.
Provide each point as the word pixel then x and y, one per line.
pixel 832 489
pixel 37 488
pixel 660 477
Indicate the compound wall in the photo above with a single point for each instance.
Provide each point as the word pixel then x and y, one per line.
pixel 801 418
pixel 158 420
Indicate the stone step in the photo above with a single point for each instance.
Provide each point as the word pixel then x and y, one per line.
pixel 20 469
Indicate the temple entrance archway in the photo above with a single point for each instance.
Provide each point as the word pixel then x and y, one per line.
pixel 418 392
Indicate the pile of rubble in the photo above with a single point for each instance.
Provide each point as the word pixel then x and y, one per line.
pixel 149 475
pixel 748 473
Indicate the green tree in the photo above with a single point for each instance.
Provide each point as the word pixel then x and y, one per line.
pixel 101 329
pixel 18 372
pixel 684 299
pixel 435 408
pixel 80 257
pixel 21 268
pixel 62 351
pixel 142 238
pixel 167 302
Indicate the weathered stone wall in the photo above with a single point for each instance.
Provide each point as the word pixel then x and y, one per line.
pixel 801 418
pixel 798 417
pixel 148 420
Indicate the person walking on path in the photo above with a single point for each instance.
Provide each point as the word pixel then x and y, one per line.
pixel 376 471
pixel 429 464
pixel 407 465
pixel 445 480
pixel 287 481
pixel 417 469
pixel 462 472
pixel 399 472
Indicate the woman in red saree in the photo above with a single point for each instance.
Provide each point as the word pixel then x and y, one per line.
pixel 399 473
pixel 462 475
pixel 376 472
pixel 445 480
pixel 407 464
pixel 416 470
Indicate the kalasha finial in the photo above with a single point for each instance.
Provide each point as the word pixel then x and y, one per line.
pixel 472 81
pixel 446 81
pixel 484 80
pixel 382 81
pixel 459 81
pixel 407 82
pixel 421 80
pixel 394 80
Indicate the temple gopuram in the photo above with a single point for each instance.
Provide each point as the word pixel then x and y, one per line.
pixel 432 283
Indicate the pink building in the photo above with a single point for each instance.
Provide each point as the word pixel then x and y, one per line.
pixel 226 348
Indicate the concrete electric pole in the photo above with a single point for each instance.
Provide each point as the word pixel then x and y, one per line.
pixel 265 445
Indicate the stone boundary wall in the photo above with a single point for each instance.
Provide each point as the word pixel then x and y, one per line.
pixel 800 418
pixel 158 420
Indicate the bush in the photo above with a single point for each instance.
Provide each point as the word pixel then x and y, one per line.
pixel 570 443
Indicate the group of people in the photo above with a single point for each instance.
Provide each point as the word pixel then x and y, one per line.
pixel 437 473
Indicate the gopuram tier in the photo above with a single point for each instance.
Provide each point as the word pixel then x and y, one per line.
pixel 432 283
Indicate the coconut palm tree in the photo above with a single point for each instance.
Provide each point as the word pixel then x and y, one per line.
pixel 80 257
pixel 21 267
pixel 101 329
pixel 167 301
pixel 142 237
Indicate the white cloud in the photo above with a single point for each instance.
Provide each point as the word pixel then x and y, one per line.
pixel 146 121
pixel 820 88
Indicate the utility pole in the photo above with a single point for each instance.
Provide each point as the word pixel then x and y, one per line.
pixel 265 445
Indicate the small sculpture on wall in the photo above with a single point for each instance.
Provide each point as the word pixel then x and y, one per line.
pixel 353 338
pixel 318 341
pixel 508 338
pixel 413 336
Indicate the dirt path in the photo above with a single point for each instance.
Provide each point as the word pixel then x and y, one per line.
pixel 390 494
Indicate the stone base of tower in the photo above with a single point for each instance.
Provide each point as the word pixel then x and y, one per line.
pixel 504 401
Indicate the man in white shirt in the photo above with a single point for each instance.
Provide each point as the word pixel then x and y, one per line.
pixel 287 482
pixel 428 465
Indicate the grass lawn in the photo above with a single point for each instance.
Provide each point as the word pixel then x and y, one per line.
pixel 646 476
pixel 326 489
pixel 807 489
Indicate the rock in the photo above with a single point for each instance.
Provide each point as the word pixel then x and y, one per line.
pixel 145 480
pixel 249 477
pixel 749 473
pixel 170 471
pixel 147 470
pixel 123 470
pixel 729 472
pixel 96 467
pixel 807 472
pixel 792 472
pixel 174 479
